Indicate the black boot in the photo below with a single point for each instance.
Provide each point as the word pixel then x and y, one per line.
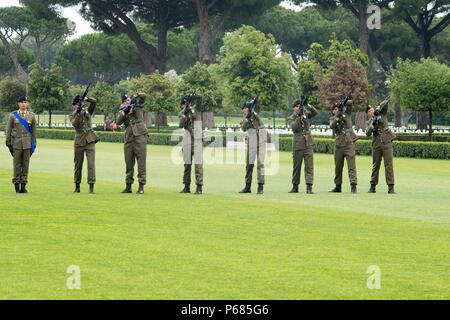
pixel 77 188
pixel 141 189
pixel 187 189
pixel 309 189
pixel 247 188
pixel 260 188
pixel 199 189
pixel 127 188
pixel 373 188
pixel 353 189
pixel 294 189
pixel 391 189
pixel 91 188
pixel 22 188
pixel 337 188
pixel 17 186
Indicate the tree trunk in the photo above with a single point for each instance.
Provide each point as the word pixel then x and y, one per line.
pixel 430 131
pixel 158 122
pixel 163 27
pixel 273 118
pixel 12 54
pixel 204 50
pixel 360 120
pixel 208 120
pixel 50 118
pixel 363 31
pixel 286 114
pixel 406 115
pixel 160 119
pixel 421 120
pixel 397 110
pixel 147 119
pixel 38 57
pixel 425 47
pixel 226 120
pixel 397 116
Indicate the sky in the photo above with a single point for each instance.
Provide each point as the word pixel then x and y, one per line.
pixel 82 26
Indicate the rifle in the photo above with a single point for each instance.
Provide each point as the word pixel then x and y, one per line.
pixel 134 103
pixel 377 112
pixel 343 104
pixel 252 106
pixel 303 104
pixel 80 103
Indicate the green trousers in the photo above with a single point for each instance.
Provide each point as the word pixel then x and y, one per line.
pixel 256 152
pixel 79 152
pixel 136 151
pixel 299 156
pixel 21 164
pixel 347 153
pixel 385 152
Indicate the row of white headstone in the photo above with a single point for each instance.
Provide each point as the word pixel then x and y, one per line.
pixel 316 130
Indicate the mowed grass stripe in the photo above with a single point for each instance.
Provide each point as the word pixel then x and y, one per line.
pixel 164 245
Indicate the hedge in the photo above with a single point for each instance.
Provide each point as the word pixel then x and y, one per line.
pixel 431 150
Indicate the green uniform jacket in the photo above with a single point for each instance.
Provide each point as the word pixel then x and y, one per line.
pixel 82 123
pixel 300 125
pixel 17 136
pixel 187 118
pixel 133 121
pixel 342 128
pixel 379 130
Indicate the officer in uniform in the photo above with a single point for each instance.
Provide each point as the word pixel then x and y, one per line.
pixel 85 140
pixel 190 120
pixel 21 141
pixel 382 147
pixel 345 138
pixel 302 145
pixel 256 147
pixel 136 135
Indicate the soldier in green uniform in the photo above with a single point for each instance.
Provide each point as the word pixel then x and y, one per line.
pixel 256 146
pixel 136 135
pixel 302 145
pixel 382 147
pixel 21 141
pixel 190 120
pixel 85 140
pixel 345 137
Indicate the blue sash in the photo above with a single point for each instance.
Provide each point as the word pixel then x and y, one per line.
pixel 27 127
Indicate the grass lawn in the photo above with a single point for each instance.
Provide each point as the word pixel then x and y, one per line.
pixel 222 245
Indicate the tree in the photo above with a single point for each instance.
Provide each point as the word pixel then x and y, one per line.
pixel 47 26
pixel 329 73
pixel 121 16
pixel 160 94
pixel 10 90
pixel 108 99
pixel 198 79
pixel 344 75
pixel 250 61
pixel 359 9
pixel 422 86
pixel 47 89
pixel 182 49
pixel 14 28
pixel 25 57
pixel 422 17
pixel 99 57
pixel 213 14
pixel 296 31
